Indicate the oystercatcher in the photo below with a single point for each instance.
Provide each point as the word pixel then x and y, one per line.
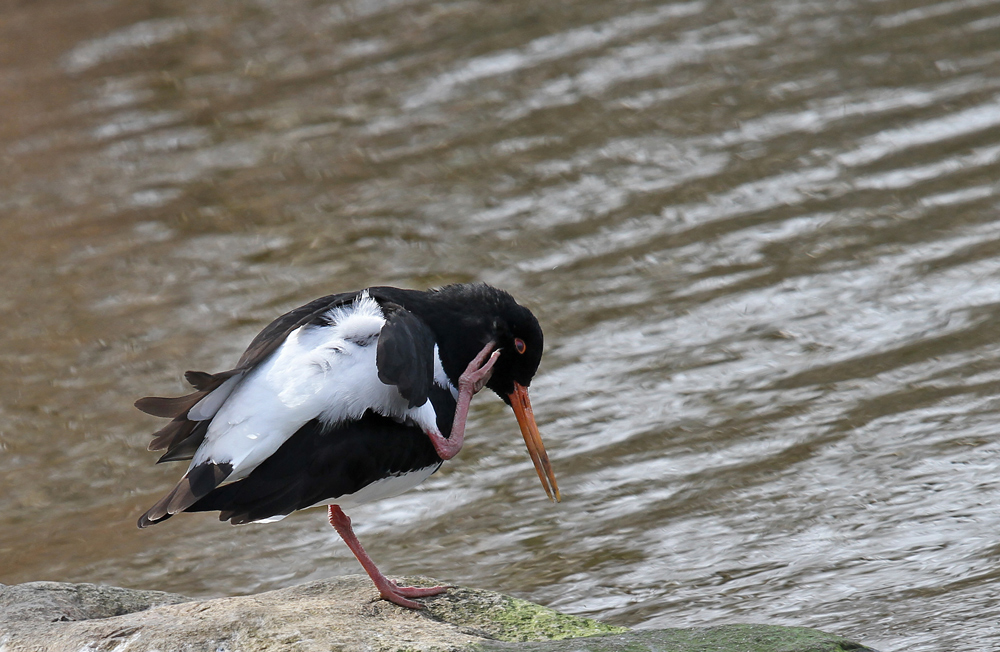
pixel 350 398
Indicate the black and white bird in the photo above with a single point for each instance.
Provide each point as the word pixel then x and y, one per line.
pixel 350 398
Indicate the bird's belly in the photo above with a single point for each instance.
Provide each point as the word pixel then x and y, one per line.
pixel 384 488
pixel 388 487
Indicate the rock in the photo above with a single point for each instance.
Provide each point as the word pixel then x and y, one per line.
pixel 59 602
pixel 725 638
pixel 342 613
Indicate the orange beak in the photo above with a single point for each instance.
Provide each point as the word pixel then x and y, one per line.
pixel 533 440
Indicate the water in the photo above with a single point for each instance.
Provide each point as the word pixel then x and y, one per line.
pixel 763 242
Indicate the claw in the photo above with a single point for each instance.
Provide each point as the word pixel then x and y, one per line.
pixel 480 370
pixel 473 379
pixel 483 375
pixel 400 594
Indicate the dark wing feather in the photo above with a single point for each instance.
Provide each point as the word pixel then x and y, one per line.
pixel 160 406
pixel 171 434
pixel 275 333
pixel 197 482
pixel 405 354
pixel 319 463
pixel 201 380
pixel 186 444
pixel 175 407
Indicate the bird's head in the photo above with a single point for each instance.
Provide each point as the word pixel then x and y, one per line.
pixel 479 316
pixel 518 336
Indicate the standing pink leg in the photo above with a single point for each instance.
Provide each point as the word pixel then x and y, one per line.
pixel 473 379
pixel 386 587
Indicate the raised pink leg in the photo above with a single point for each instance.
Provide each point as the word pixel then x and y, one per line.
pixel 386 587
pixel 473 379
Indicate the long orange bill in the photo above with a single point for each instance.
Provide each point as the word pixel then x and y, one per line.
pixel 533 440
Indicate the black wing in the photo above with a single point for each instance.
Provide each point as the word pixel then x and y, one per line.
pixel 275 333
pixel 405 354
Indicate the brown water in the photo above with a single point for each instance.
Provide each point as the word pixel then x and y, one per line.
pixel 762 238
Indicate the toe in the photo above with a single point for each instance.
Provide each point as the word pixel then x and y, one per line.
pixel 421 591
pixel 398 598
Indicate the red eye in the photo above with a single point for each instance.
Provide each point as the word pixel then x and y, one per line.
pixel 519 345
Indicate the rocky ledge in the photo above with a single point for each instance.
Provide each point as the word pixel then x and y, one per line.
pixel 345 614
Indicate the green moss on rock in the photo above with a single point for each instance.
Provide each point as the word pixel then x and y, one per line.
pixel 504 618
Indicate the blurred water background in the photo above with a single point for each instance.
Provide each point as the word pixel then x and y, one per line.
pixel 762 239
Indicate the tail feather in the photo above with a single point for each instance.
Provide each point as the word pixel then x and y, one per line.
pixel 196 483
pixel 171 434
pixel 203 380
pixel 170 407
pixel 185 445
pixel 160 406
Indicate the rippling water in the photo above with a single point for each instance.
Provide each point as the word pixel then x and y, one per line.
pixel 762 238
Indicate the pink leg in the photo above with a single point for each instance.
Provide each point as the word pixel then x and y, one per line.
pixel 473 379
pixel 386 587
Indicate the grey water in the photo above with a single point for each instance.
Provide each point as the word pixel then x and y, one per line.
pixel 762 239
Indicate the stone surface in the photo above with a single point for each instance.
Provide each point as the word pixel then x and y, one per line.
pixel 726 638
pixel 345 614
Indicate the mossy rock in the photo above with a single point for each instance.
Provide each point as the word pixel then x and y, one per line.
pixel 725 638
pixel 345 614
pixel 504 618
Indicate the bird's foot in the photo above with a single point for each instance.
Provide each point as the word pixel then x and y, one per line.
pixel 480 370
pixel 473 379
pixel 399 594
